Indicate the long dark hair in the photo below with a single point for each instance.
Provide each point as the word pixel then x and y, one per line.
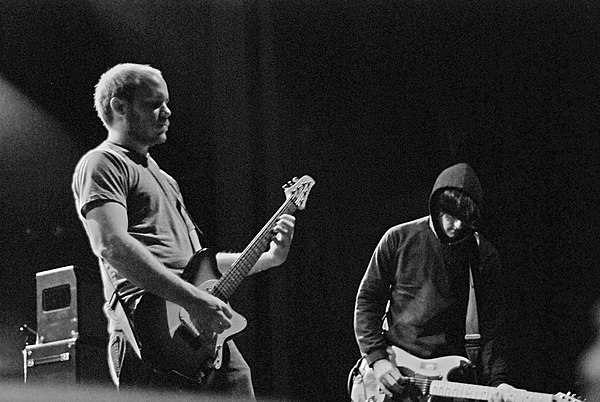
pixel 454 202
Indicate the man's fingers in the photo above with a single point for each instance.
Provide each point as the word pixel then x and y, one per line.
pixel 391 385
pixel 397 388
pixel 383 390
pixel 285 224
pixel 226 311
pixel 220 324
pixel 222 320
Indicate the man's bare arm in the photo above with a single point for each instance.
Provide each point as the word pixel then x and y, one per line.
pixel 106 225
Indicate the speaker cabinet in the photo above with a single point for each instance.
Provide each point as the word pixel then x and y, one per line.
pixel 69 305
pixel 71 329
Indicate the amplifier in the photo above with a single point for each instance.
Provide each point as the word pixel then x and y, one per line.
pixel 64 362
pixel 69 304
pixel 71 337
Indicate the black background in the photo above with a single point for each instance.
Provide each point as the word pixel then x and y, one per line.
pixel 372 99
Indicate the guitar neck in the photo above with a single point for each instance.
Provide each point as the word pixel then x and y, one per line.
pixel 248 258
pixel 480 392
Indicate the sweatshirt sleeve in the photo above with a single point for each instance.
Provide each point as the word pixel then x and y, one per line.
pixel 371 300
pixel 494 350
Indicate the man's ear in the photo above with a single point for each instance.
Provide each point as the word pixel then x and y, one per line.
pixel 118 106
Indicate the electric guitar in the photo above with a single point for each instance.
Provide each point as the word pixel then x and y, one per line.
pixel 429 377
pixel 170 341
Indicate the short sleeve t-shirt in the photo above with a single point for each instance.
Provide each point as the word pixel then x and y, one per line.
pixel 155 212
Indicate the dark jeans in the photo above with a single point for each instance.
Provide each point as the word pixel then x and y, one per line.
pixel 129 373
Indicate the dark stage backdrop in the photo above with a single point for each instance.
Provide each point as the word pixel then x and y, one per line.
pixel 371 98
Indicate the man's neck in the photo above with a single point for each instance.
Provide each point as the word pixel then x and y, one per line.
pixel 122 139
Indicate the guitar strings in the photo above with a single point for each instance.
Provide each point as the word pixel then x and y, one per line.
pixel 228 283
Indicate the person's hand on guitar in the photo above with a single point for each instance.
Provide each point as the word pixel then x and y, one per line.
pixel 283 233
pixel 503 393
pixel 209 313
pixel 389 378
pixel 280 241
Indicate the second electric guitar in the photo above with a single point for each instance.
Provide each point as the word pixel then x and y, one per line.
pixel 430 377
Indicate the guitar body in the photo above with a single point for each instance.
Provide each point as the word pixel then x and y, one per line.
pixel 441 368
pixel 170 341
pixel 420 371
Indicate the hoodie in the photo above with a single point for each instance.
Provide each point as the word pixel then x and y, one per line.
pixel 425 279
pixel 460 177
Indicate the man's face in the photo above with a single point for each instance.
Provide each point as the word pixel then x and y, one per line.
pixel 148 115
pixel 453 227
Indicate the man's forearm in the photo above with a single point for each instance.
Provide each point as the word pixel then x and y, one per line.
pixel 225 260
pixel 133 261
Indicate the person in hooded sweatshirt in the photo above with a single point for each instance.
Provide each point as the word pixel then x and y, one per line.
pixel 419 278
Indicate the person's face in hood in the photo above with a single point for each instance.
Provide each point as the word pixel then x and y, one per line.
pixel 453 227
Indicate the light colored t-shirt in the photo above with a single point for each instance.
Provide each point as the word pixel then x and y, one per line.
pixel 156 216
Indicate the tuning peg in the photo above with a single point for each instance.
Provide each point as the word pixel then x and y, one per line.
pixel 290 183
pixel 572 397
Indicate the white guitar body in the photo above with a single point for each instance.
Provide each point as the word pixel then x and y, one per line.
pixel 437 368
pixel 408 364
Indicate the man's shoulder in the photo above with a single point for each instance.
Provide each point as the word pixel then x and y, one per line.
pixel 416 224
pixel 104 149
pixel 102 154
pixel 403 231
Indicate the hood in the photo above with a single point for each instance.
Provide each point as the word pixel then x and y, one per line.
pixel 460 176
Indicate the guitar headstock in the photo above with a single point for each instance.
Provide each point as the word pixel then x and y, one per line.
pixel 297 190
pixel 568 397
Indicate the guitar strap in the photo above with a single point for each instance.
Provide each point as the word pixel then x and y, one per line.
pixel 196 236
pixel 115 308
pixel 472 336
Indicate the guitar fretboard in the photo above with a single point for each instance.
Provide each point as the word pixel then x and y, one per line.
pixel 248 258
pixel 480 392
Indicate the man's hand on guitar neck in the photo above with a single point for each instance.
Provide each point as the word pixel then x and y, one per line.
pixel 503 393
pixel 283 233
pixel 389 379
pixel 279 247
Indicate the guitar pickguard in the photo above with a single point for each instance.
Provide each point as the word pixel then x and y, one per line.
pixel 170 341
